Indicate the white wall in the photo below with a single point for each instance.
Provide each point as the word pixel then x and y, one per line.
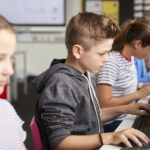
pixel 40 55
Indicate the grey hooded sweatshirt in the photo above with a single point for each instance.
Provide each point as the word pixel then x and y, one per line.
pixel 67 105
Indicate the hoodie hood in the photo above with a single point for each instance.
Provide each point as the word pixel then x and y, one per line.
pixel 57 65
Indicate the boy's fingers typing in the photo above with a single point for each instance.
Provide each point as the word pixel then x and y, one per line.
pixel 128 135
pixel 140 135
pixel 137 137
pixel 126 142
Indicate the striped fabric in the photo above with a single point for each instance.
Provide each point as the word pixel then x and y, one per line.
pixel 11 133
pixel 120 73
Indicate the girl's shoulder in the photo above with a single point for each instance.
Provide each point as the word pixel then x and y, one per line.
pixel 5 105
pixel 114 54
pixel 114 57
pixel 4 102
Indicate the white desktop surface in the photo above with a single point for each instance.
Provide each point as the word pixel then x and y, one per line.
pixel 126 123
pixel 110 147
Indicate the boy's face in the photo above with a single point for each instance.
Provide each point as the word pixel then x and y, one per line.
pixel 94 59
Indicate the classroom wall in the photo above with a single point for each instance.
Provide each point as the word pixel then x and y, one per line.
pixel 40 55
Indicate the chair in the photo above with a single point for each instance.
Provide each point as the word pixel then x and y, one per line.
pixel 35 135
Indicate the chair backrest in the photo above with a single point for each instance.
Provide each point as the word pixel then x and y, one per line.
pixel 35 135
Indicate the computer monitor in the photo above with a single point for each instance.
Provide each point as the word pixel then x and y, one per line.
pixel 34 13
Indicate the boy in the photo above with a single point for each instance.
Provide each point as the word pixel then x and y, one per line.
pixel 67 111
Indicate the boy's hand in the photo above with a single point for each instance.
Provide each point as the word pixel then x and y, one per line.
pixel 125 136
pixel 138 109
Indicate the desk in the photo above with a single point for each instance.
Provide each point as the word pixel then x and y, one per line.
pixel 125 124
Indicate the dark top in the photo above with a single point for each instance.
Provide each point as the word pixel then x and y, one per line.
pixel 64 106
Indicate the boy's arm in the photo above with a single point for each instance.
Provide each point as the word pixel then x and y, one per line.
pixel 106 100
pixel 82 142
pixel 110 113
pixel 87 142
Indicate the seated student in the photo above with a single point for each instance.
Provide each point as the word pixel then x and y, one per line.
pixel 142 68
pixel 12 135
pixel 67 110
pixel 142 74
pixel 117 80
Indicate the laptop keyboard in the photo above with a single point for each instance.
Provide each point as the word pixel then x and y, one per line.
pixel 142 123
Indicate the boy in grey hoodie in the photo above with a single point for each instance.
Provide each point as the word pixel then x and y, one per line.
pixel 67 110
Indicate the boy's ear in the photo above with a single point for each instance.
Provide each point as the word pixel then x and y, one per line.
pixel 77 51
pixel 137 44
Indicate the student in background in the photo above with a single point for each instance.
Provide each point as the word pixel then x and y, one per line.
pixel 12 135
pixel 117 80
pixel 143 76
pixel 67 110
pixel 142 67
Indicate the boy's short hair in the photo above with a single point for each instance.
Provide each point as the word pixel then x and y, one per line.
pixel 87 29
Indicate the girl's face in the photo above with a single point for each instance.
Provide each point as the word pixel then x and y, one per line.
pixel 7 50
pixel 143 52
pixel 140 52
